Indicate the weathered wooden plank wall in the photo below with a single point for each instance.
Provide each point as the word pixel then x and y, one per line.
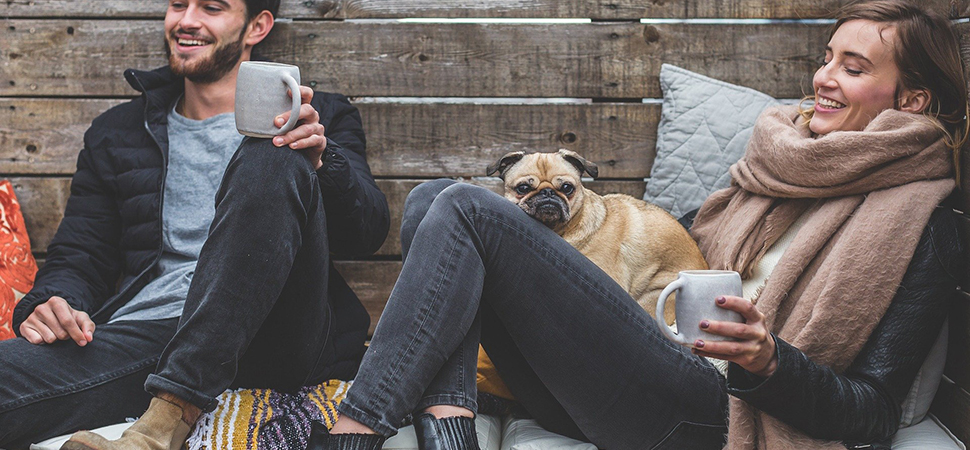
pixel 952 402
pixel 590 60
pixel 404 139
pixel 393 9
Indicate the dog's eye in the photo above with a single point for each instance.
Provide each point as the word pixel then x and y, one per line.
pixel 523 189
pixel 567 189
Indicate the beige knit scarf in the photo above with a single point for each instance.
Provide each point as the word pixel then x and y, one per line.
pixel 871 194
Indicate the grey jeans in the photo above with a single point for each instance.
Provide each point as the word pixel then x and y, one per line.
pixel 571 344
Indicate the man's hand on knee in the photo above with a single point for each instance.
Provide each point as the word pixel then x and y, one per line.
pixel 55 320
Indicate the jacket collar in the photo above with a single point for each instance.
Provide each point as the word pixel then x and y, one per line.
pixel 160 87
pixel 144 81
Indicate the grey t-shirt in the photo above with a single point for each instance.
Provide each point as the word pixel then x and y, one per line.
pixel 198 153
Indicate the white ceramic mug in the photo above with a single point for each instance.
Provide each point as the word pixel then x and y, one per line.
pixel 696 292
pixel 261 96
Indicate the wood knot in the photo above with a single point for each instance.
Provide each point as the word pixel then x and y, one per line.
pixel 568 137
pixel 651 34
pixel 324 8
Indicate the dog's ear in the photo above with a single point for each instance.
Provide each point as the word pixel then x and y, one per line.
pixel 503 164
pixel 581 163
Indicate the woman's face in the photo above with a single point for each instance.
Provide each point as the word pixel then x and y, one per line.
pixel 858 79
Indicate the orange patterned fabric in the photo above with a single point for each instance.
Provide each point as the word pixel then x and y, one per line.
pixel 17 265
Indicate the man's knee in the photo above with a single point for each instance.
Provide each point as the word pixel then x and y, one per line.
pixel 260 157
pixel 260 172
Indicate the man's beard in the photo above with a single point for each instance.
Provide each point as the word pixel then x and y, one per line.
pixel 211 68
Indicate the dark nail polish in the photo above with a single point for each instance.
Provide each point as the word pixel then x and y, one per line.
pixel 721 300
pixel 699 344
pixel 705 324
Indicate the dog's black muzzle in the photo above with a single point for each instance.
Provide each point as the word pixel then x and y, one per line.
pixel 548 208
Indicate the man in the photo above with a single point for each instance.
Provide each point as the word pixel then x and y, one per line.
pixel 145 274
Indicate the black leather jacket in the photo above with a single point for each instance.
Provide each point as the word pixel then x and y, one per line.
pixel 863 404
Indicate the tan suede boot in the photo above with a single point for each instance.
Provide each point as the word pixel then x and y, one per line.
pixel 165 426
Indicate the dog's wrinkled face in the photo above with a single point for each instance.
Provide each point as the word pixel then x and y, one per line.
pixel 547 186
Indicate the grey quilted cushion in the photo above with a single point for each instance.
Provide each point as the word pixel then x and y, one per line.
pixel 704 127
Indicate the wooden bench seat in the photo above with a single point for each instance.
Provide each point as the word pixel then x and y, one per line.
pixel 440 97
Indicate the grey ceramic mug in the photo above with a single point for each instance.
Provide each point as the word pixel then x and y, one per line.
pixel 261 96
pixel 696 291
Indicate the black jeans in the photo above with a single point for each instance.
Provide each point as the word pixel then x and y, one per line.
pixel 571 344
pixel 257 312
pixel 48 390
pixel 256 315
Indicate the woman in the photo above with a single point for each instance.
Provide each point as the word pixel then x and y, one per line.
pixel 858 253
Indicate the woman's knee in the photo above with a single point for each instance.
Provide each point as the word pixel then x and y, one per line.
pixel 448 194
pixel 419 201
pixel 420 198
pixel 466 198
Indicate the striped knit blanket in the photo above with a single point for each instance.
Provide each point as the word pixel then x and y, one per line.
pixel 250 419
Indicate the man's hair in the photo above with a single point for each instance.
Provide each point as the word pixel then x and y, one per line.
pixel 254 7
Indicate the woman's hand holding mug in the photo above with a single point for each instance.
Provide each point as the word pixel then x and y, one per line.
pixel 716 322
pixel 752 346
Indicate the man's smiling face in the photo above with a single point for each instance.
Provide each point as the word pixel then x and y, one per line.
pixel 204 39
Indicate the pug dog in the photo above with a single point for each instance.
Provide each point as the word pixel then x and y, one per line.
pixel 639 245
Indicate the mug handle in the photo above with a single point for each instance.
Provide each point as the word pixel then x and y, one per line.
pixel 295 110
pixel 673 286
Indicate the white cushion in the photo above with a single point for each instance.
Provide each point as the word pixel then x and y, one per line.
pixel 489 429
pixel 704 126
pixel 926 435
pixel 927 381
pixel 526 434
pixel 109 432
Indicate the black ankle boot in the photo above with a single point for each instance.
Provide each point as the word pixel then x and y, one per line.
pixel 321 439
pixel 450 433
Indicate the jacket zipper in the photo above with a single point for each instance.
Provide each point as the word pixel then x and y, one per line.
pixel 161 203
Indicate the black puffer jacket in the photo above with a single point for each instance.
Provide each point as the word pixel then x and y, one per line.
pixel 863 404
pixel 112 227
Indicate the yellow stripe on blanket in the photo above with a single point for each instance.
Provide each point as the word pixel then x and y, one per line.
pixel 244 414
